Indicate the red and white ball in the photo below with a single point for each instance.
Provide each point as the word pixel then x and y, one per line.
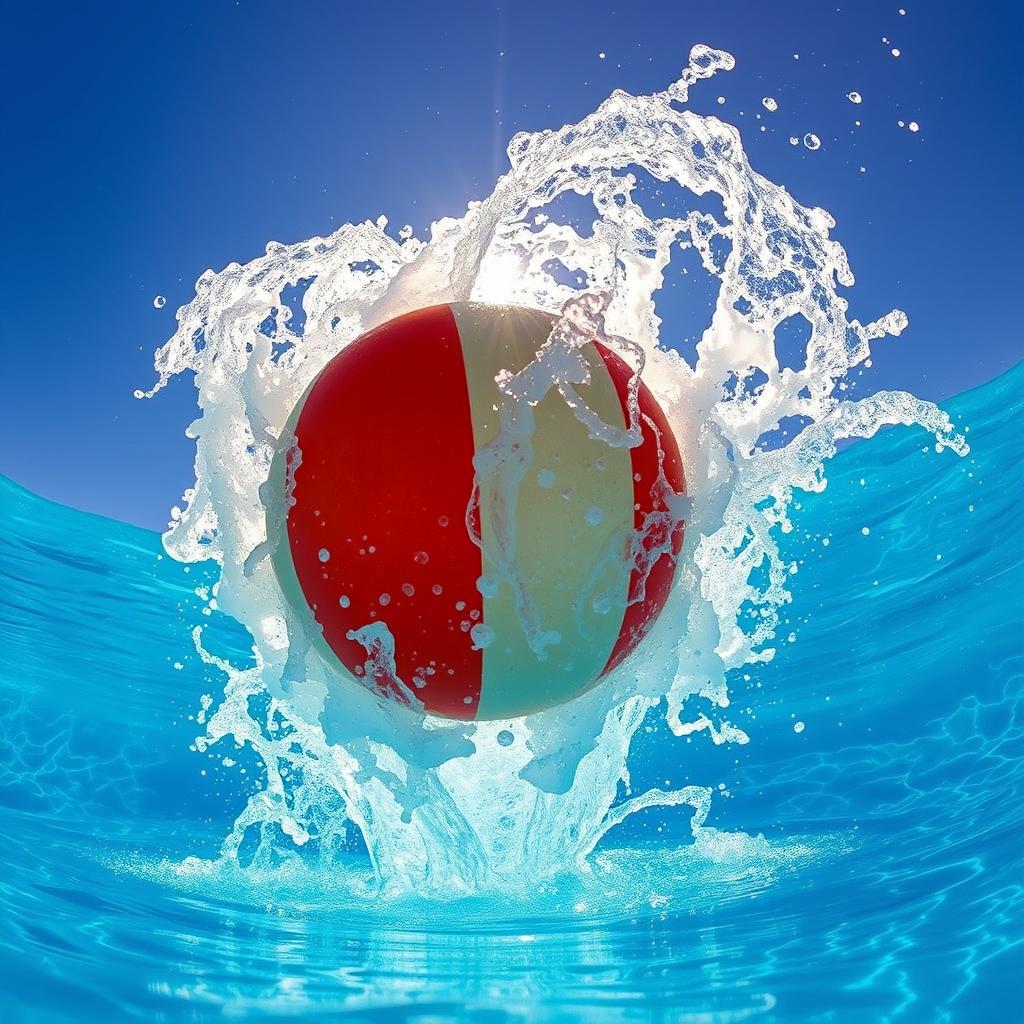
pixel 379 549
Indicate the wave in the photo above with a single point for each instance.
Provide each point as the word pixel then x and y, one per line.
pixel 891 818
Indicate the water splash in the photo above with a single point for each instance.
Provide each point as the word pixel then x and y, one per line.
pixel 448 808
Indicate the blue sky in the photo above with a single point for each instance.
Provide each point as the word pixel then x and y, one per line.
pixel 147 142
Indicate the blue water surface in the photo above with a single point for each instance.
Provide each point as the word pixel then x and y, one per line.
pixel 885 770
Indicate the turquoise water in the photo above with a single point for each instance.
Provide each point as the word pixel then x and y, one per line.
pixel 884 772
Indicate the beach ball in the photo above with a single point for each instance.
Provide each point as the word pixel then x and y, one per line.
pixel 454 568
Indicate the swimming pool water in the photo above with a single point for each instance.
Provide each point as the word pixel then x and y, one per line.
pixel 885 774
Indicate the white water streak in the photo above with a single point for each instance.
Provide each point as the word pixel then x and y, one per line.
pixel 447 808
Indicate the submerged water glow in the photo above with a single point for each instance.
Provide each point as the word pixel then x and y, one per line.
pixel 886 887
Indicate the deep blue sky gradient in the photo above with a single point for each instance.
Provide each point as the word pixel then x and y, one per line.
pixel 146 142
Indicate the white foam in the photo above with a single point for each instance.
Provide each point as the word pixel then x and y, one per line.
pixel 456 807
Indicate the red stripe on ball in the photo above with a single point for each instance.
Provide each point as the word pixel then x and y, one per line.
pixel 648 587
pixel 378 523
